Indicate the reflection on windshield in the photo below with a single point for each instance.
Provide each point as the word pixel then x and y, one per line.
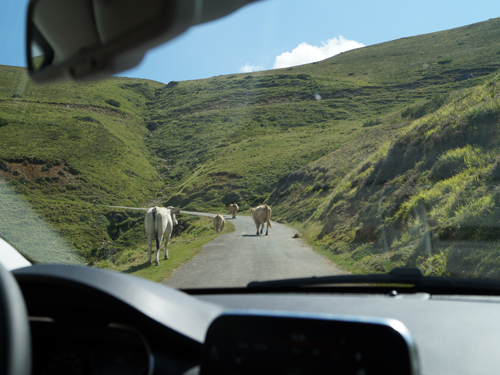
pixel 24 229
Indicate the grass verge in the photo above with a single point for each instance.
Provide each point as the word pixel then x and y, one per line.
pixel 182 248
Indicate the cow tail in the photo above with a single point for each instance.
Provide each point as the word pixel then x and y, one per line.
pixel 268 212
pixel 156 229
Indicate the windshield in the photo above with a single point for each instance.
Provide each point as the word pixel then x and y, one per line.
pixel 330 138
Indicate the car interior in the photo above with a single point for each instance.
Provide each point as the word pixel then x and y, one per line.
pixel 67 319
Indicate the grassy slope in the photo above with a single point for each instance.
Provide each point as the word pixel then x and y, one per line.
pixel 428 199
pixel 245 137
pixel 66 150
pixel 425 197
pixel 230 138
pixel 187 240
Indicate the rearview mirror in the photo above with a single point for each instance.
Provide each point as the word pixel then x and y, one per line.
pixel 91 39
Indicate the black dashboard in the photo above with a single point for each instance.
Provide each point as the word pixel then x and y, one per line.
pixel 88 321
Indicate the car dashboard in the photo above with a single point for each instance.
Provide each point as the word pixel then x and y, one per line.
pixel 89 321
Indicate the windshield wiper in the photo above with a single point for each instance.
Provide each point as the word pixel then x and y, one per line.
pixel 412 277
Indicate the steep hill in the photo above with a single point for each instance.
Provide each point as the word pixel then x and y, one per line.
pixel 68 148
pixel 428 199
pixel 231 138
pixel 293 137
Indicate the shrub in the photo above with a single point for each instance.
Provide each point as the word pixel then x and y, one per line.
pixel 3 122
pixel 113 102
pixel 89 118
pixel 422 110
pixel 151 126
pixel 16 173
pixel 61 173
pixel 372 122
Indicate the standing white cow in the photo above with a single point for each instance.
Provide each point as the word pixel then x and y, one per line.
pixel 261 215
pixel 159 222
pixel 233 207
pixel 218 222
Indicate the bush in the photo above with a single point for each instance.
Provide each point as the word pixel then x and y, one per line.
pixel 89 118
pixel 422 110
pixel 151 125
pixel 3 122
pixel 372 122
pixel 113 102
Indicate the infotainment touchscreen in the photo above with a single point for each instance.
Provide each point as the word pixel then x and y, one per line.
pixel 256 343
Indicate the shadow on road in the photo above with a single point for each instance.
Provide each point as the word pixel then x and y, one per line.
pixel 251 235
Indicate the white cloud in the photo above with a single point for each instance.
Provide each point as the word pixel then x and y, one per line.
pixel 305 53
pixel 248 68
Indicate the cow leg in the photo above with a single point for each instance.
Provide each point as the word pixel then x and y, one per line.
pixel 167 240
pixel 157 259
pixel 149 250
pixel 267 228
pixel 262 228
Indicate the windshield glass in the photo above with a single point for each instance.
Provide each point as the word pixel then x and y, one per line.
pixel 330 138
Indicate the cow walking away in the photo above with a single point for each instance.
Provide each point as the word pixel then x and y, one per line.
pixel 219 223
pixel 261 215
pixel 159 222
pixel 233 207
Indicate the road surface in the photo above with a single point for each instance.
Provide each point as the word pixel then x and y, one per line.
pixel 234 259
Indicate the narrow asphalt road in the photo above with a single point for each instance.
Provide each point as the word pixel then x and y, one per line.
pixel 234 259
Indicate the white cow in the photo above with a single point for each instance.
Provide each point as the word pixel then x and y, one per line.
pixel 218 222
pixel 261 215
pixel 234 209
pixel 159 222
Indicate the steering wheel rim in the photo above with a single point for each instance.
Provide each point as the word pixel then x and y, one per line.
pixel 15 338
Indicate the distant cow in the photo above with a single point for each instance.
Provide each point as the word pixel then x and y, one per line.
pixel 234 209
pixel 218 222
pixel 159 224
pixel 463 77
pixel 261 215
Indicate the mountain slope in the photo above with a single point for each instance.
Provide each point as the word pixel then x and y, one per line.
pixel 230 138
pixel 295 137
pixel 68 148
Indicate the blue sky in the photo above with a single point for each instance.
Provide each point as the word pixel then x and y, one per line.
pixel 253 38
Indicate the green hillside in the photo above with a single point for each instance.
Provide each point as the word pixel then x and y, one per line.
pixel 316 141
pixel 69 148
pixel 231 138
pixel 430 198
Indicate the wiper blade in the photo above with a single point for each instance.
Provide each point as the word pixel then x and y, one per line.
pixel 396 276
pixel 411 276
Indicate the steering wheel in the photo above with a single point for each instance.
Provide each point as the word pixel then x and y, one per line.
pixel 15 338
